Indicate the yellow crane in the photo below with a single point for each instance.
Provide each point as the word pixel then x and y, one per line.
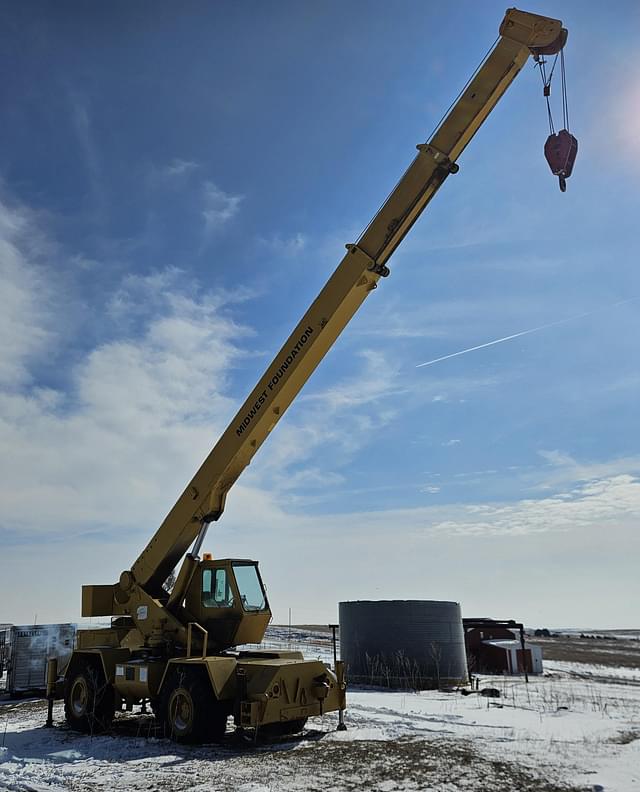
pixel 176 649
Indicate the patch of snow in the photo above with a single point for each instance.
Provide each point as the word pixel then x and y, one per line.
pixel 592 670
pixel 578 725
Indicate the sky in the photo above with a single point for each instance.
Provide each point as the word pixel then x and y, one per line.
pixel 178 181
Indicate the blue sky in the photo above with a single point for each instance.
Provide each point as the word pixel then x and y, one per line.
pixel 177 182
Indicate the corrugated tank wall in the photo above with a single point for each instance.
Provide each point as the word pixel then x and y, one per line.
pixel 414 644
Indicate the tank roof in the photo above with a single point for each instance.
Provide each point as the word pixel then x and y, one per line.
pixel 399 602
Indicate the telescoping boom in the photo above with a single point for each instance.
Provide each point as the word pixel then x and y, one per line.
pixel 521 34
pixel 171 647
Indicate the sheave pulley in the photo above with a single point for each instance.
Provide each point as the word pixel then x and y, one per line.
pixel 561 148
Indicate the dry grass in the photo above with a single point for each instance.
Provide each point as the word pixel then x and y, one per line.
pixel 626 737
pixel 596 651
pixel 414 764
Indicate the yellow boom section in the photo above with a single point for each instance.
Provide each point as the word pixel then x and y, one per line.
pixel 356 276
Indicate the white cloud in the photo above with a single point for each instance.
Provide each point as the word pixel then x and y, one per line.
pixel 343 416
pixel 310 478
pixel 465 321
pixel 564 469
pixel 83 263
pixel 548 564
pixel 597 502
pixel 559 559
pixel 140 415
pixel 214 206
pixel 174 175
pixel 218 207
pixel 81 123
pixel 143 296
pixel 289 247
pixel 378 379
pixel 88 470
pixel 25 321
pixel 140 411
pixel 179 167
pixel 557 458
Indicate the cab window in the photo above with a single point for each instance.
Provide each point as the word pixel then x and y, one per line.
pixel 250 588
pixel 216 591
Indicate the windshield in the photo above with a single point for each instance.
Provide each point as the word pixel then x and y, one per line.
pixel 250 588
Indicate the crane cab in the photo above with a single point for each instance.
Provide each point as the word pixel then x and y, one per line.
pixel 227 597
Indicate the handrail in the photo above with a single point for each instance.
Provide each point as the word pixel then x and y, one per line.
pixel 204 632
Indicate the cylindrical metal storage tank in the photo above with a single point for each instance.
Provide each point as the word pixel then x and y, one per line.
pixel 414 644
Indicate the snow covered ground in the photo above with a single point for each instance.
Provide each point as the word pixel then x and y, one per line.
pixel 593 671
pixel 571 729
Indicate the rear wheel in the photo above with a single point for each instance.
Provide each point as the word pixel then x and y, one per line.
pixel 188 709
pixel 89 700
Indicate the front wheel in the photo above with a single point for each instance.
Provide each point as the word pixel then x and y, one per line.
pixel 89 700
pixel 188 709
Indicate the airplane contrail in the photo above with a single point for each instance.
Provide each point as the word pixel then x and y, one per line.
pixel 523 333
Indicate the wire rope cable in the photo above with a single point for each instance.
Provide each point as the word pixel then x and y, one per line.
pixel 433 132
pixel 546 86
pixel 565 101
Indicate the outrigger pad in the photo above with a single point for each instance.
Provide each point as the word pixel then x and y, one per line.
pixel 560 151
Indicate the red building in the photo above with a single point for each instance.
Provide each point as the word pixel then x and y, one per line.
pixel 499 647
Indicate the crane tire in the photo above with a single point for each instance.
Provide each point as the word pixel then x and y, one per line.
pixel 188 710
pixel 89 699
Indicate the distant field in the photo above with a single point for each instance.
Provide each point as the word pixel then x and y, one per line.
pixel 606 651
pixel 611 648
pixel 309 627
